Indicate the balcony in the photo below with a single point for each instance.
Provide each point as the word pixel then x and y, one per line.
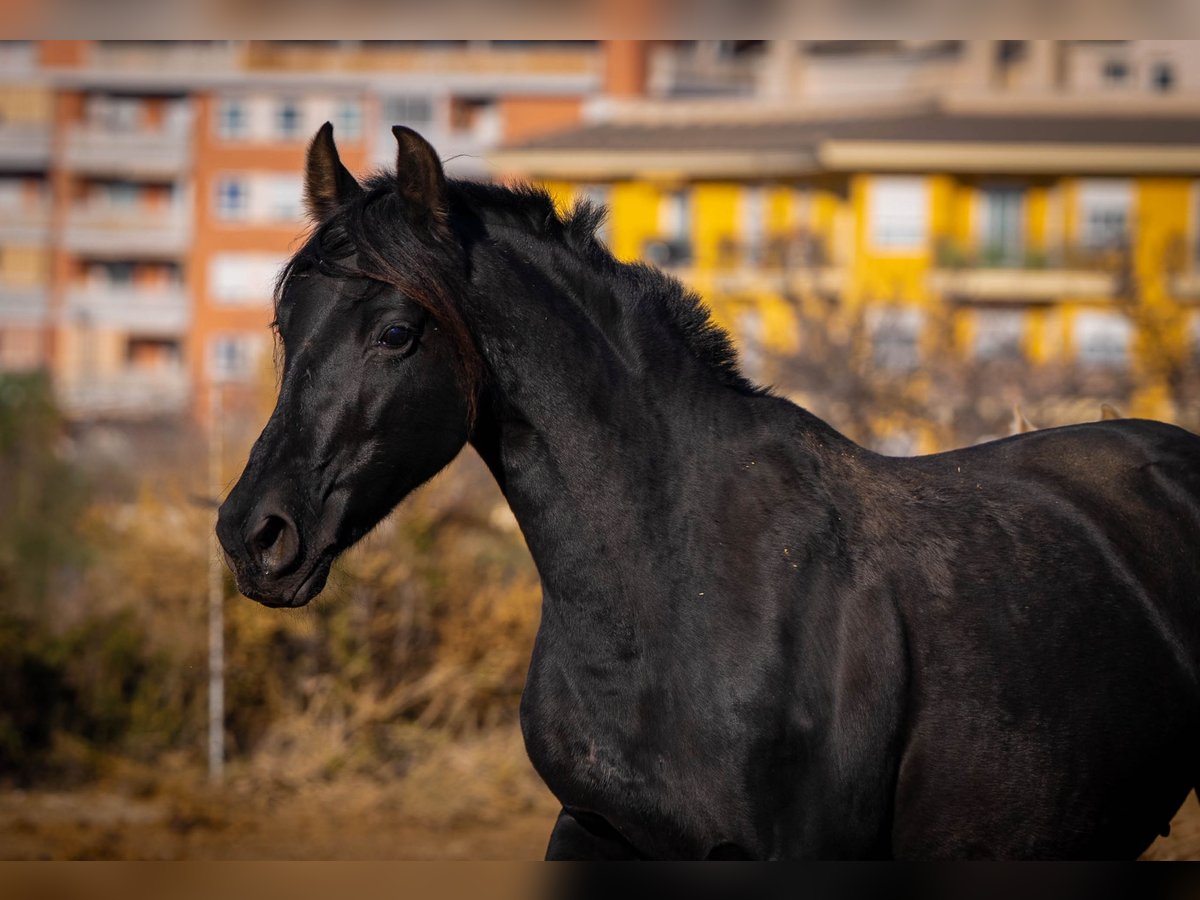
pixel 703 71
pixel 789 264
pixel 138 154
pixel 1181 259
pixel 24 148
pixel 26 226
pixel 128 394
pixel 668 253
pixel 111 234
pixel 982 275
pixel 158 58
pixel 23 305
pixel 149 312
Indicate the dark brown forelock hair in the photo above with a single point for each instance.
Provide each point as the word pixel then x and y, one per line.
pixel 371 238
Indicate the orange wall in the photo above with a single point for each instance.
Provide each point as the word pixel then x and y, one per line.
pixel 529 117
pixel 214 157
pixel 62 53
pixel 626 67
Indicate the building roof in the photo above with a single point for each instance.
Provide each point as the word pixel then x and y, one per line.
pixel 925 140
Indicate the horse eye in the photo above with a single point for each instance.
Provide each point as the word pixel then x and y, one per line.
pixel 397 337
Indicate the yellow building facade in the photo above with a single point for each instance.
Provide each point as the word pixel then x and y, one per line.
pixel 1083 254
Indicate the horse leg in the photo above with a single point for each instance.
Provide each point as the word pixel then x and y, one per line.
pixel 583 836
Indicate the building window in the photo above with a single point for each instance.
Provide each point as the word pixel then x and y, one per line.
pixel 232 122
pixel 1162 77
pixel 114 113
pixel 675 215
pixel 286 198
pixel 233 200
pixel 898 213
pixel 119 274
pixel 122 195
pixel 753 214
pixel 348 119
pixel 1003 226
pixel 412 109
pixel 1104 213
pixel 152 353
pixel 234 357
pixel 1102 339
pixel 895 338
pixel 998 334
pixel 243 279
pixel 287 118
pixel 673 246
pixel 1115 71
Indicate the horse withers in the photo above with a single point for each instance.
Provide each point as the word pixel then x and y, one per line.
pixel 758 639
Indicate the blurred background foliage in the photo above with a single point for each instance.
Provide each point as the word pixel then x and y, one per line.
pixel 422 638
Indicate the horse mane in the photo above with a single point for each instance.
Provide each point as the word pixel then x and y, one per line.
pixel 360 229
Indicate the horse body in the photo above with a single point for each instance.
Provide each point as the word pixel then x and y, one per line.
pixel 826 653
pixel 758 639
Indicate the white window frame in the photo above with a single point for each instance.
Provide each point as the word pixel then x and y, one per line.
pixel 281 104
pixel 1108 329
pixel 238 364
pixel 898 213
pixel 348 127
pixel 224 212
pixel 237 278
pixel 222 124
pixel 1099 194
pixel 285 197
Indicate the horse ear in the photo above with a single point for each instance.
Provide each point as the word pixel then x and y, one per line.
pixel 419 176
pixel 327 183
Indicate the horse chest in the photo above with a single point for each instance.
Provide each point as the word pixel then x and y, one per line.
pixel 577 736
pixel 607 746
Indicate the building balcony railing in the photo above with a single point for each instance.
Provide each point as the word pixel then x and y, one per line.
pixel 667 253
pixel 694 72
pixel 23 305
pixel 165 57
pixel 105 233
pixel 165 311
pixel 793 263
pixel 137 154
pixel 790 251
pixel 27 226
pixel 1005 274
pixel 132 393
pixel 24 148
pixel 1103 257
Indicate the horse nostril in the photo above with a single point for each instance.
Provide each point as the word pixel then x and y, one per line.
pixel 276 543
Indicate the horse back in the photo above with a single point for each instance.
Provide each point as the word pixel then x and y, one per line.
pixel 1051 601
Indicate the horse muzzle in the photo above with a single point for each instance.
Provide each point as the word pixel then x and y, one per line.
pixel 266 553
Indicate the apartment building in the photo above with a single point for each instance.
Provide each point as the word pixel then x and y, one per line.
pixel 152 190
pixel 26 130
pixel 1031 236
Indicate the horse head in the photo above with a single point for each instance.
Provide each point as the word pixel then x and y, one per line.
pixel 377 386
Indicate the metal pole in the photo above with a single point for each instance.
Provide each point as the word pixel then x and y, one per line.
pixel 216 602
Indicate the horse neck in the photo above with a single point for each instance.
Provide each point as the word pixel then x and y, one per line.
pixel 595 422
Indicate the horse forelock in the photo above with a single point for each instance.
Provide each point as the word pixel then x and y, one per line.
pixel 368 238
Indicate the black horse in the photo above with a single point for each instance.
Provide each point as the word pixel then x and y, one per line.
pixel 758 639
